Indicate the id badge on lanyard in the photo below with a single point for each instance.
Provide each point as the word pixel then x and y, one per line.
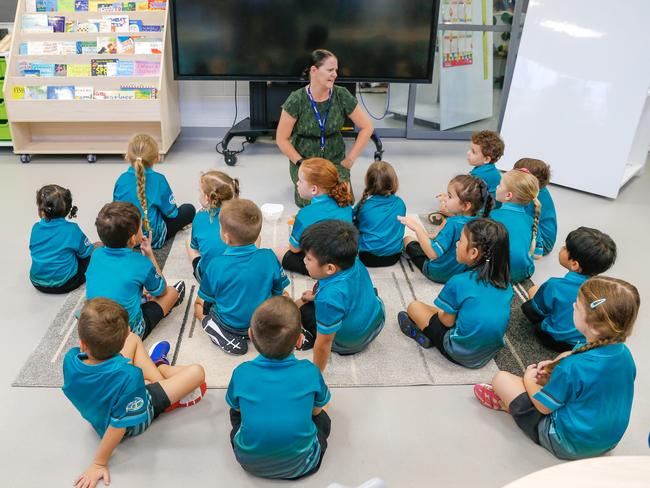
pixel 321 120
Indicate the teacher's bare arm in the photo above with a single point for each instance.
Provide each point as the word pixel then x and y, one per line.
pixel 283 136
pixel 361 120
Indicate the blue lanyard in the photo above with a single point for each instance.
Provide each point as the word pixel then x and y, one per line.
pixel 321 120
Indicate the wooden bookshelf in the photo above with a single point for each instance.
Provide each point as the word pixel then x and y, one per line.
pixel 90 127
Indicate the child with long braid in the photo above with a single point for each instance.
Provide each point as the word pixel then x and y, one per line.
pixel 149 191
pixel 518 188
pixel 578 405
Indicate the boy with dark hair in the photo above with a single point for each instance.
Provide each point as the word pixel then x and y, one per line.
pixel 105 376
pixel 343 313
pixel 236 282
pixel 587 252
pixel 279 427
pixel 122 274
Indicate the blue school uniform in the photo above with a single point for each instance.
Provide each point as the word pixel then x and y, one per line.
pixel 547 219
pixel 380 233
pixel 590 395
pixel 490 174
pixel 55 246
pixel 206 237
pixel 482 313
pixel 121 274
pixel 160 200
pixel 322 207
pixel 238 281
pixel 111 393
pixel 520 234
pixel 277 436
pixel 346 304
pixel 445 265
pixel 554 301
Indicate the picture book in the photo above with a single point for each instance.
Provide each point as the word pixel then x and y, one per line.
pixel 67 47
pixel 38 92
pixel 57 22
pixel 128 6
pixel 44 69
pixel 81 5
pixel 157 5
pixel 148 45
pixel 66 5
pixel 18 92
pixel 79 70
pixel 50 47
pixel 125 45
pixel 107 94
pixel 64 92
pixel 106 45
pixel 36 23
pixel 83 92
pixel 125 68
pixel 141 5
pixel 87 27
pixel 30 6
pixel 118 23
pixel 143 92
pixel 146 68
pixel 71 26
pixel 60 70
pixel 152 28
pixel 30 72
pixel 103 67
pixel 127 95
pixel 135 25
pixel 86 47
pixel 46 5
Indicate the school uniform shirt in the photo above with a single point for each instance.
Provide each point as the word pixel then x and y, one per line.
pixel 490 174
pixel 590 395
pixel 482 313
pixel 520 234
pixel 110 393
pixel 554 301
pixel 160 200
pixel 121 274
pixel 55 246
pixel 380 233
pixel 277 436
pixel 547 219
pixel 346 304
pixel 445 265
pixel 239 280
pixel 206 236
pixel 322 207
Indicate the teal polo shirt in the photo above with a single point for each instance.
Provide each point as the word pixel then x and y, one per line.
pixel 380 233
pixel 490 174
pixel 277 436
pixel 520 234
pixel 160 200
pixel 322 207
pixel 55 246
pixel 346 304
pixel 206 236
pixel 590 395
pixel 547 219
pixel 238 281
pixel 121 274
pixel 554 301
pixel 445 265
pixel 482 314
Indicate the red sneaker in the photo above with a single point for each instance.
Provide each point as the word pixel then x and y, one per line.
pixel 192 398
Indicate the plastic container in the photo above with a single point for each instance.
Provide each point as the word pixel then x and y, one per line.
pixel 272 212
pixel 3 111
pixel 3 67
pixel 5 135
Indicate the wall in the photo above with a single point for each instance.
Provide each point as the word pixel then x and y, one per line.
pixel 7 10
pixel 211 103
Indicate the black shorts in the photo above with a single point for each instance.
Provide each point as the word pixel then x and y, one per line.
pixel 294 261
pixel 308 317
pixel 544 337
pixel 436 332
pixel 323 428
pixel 159 398
pixel 72 284
pixel 373 261
pixel 152 314
pixel 526 416
pixel 195 267
pixel 414 251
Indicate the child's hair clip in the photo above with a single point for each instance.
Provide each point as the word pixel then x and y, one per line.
pixel 595 303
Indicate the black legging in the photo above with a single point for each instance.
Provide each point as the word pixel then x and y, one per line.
pixel 185 216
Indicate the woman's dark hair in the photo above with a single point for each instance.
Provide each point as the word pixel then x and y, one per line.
pixel 331 242
pixel 317 58
pixel 491 239
pixel 473 190
pixel 54 202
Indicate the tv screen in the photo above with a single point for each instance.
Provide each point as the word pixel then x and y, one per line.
pixel 374 40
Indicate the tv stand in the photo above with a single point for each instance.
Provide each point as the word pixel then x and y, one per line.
pixel 266 99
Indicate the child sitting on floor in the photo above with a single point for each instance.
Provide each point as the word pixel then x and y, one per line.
pixel 381 235
pixel 587 252
pixel 471 313
pixel 116 386
pixel 579 404
pixel 279 427
pixel 237 281
pixel 60 250
pixel 343 313
pixel 436 258
pixel 122 274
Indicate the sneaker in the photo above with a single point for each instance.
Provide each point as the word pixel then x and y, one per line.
pixel 192 398
pixel 307 342
pixel 227 341
pixel 408 327
pixel 179 286
pixel 158 353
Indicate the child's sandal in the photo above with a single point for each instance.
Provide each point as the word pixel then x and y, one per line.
pixel 435 218
pixel 485 394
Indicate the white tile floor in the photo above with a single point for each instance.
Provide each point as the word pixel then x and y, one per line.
pixel 411 436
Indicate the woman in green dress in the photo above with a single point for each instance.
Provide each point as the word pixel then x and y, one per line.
pixel 313 116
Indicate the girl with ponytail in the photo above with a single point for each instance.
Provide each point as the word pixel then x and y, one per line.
pixel 578 405
pixel 60 250
pixel 518 188
pixel 149 191
pixel 319 183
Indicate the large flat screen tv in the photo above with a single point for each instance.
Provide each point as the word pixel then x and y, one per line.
pixel 374 40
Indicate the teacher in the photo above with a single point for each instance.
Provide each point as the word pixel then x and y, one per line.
pixel 313 116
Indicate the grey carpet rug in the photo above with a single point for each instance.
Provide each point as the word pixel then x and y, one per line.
pixel 391 360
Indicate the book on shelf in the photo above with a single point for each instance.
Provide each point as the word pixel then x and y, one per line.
pixel 125 45
pixel 157 5
pixel 60 69
pixel 38 48
pixel 66 6
pixel 66 47
pixel 81 5
pixel 142 92
pixel 79 70
pixel 103 67
pixel 63 92
pixel 18 92
pixel 106 45
pixel 46 5
pixel 87 26
pixel 117 23
pixel 137 26
pixel 86 47
pixel 125 68
pixel 83 92
pixel 35 23
pixel 146 68
pixel 57 22
pixel 148 45
pixel 36 92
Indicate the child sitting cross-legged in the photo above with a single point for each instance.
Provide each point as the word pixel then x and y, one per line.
pixel 343 312
pixel 279 427
pixel 587 252
pixel 237 281
pixel 471 313
pixel 116 386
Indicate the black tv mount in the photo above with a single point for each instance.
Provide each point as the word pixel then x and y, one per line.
pixel 266 99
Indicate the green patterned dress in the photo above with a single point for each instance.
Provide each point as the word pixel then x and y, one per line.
pixel 306 133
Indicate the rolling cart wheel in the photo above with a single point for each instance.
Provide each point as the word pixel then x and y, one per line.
pixel 251 139
pixel 378 155
pixel 230 158
pixel 25 158
pixel 91 158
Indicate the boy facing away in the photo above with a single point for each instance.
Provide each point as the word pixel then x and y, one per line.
pixel 279 427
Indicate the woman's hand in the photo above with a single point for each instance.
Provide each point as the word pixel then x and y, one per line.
pixel 347 163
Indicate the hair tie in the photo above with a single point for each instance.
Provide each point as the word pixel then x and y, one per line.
pixel 595 303
pixel 525 170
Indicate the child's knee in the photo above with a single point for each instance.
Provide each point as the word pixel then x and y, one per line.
pixel 413 307
pixel 198 373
